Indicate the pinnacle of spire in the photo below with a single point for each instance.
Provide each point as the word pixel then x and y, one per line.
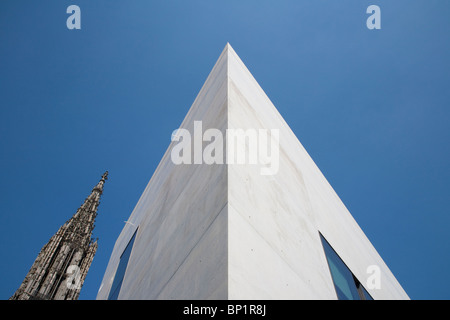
pixel 99 186
pixel 83 220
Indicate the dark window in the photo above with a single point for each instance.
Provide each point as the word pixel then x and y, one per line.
pixel 363 291
pixel 346 284
pixel 120 272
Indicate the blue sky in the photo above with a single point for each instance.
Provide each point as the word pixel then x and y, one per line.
pixel 370 106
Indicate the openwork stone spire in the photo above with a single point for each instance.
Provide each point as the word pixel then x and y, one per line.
pixel 59 270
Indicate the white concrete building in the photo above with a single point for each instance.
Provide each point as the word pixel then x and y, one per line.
pixel 227 231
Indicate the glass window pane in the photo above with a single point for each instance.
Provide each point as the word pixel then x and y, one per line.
pixel 120 272
pixel 366 295
pixel 342 277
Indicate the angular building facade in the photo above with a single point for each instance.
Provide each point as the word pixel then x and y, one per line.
pixel 59 271
pixel 212 230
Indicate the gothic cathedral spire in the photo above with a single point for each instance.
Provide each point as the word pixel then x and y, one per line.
pixel 60 268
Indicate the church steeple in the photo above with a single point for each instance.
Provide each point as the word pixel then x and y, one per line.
pixel 60 268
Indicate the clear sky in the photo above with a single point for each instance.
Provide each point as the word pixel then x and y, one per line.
pixel 372 108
